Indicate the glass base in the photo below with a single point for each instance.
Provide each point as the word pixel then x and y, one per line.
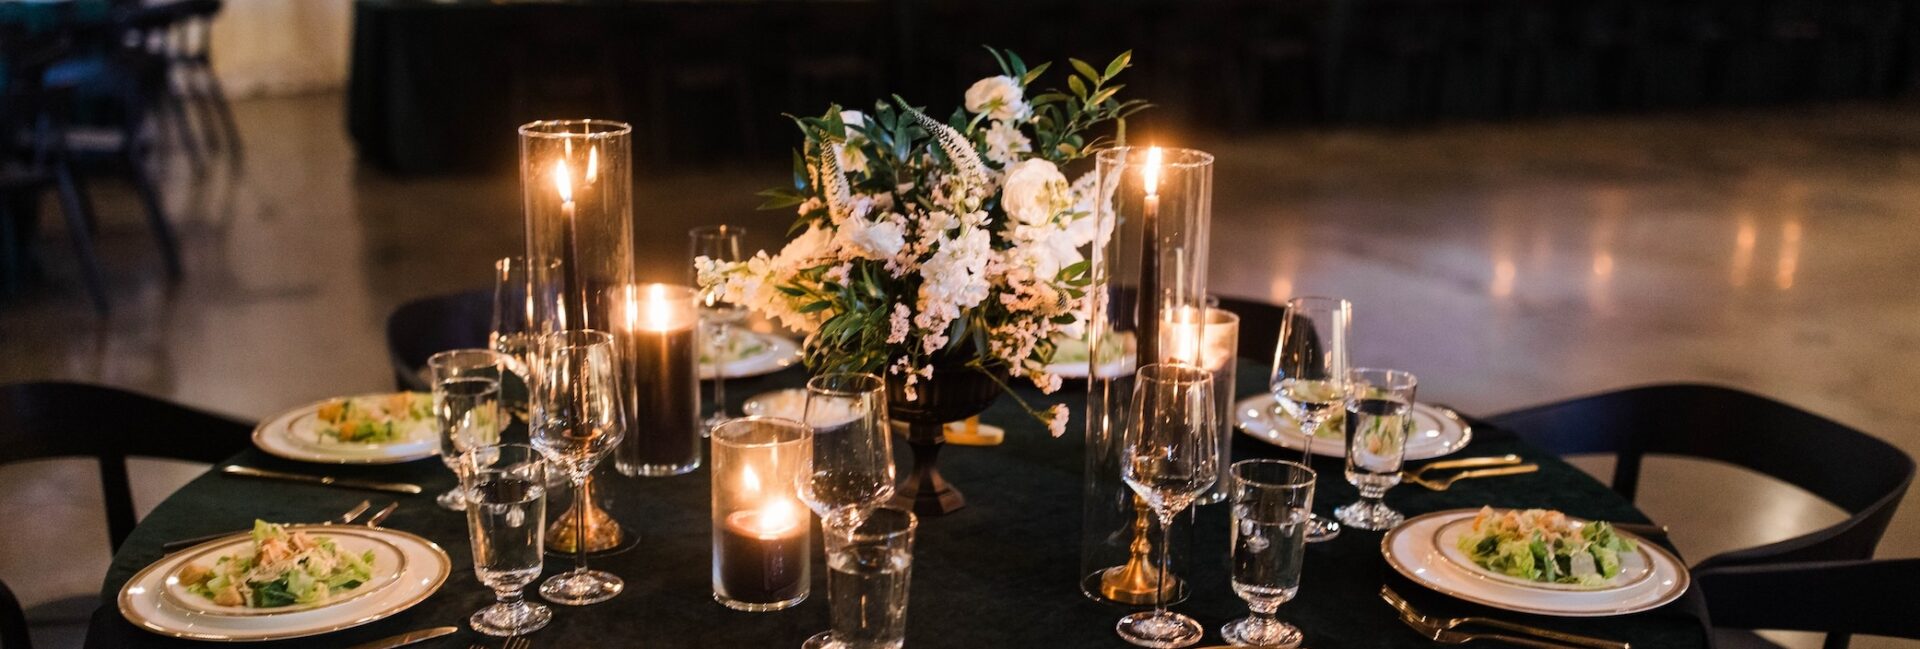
pixel 1255 632
pixel 581 587
pixel 1372 516
pixel 503 620
pixel 1320 529
pixel 1160 630
pixel 821 640
pixel 1212 497
pixel 656 470
pixel 758 607
pixel 452 500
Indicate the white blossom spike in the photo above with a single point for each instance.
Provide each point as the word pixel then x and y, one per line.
pixel 966 161
pixel 833 182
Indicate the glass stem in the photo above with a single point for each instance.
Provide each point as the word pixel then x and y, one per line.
pixel 580 505
pixel 720 372
pixel 1166 558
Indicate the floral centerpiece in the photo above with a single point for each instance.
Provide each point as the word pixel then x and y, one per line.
pixel 925 244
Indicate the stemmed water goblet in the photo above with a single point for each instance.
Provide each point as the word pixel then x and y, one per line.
pixel 721 243
pixel 577 420
pixel 466 408
pixel 1379 418
pixel 1168 457
pixel 506 492
pixel 1271 501
pixel 1309 375
pixel 526 300
pixel 846 474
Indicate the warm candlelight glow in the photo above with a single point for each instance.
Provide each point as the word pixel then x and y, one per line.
pixel 593 163
pixel 1151 173
pixel 659 311
pixel 778 516
pixel 749 481
pixel 563 180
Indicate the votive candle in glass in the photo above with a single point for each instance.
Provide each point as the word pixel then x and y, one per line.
pixel 657 338
pixel 1210 339
pixel 761 531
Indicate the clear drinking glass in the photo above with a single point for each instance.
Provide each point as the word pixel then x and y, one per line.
pixel 577 420
pixel 1379 418
pixel 849 467
pixel 868 570
pixel 526 302
pixel 1271 502
pixel 1168 456
pixel 466 408
pixel 719 243
pixel 1309 375
pixel 506 492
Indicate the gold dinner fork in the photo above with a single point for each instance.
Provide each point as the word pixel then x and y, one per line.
pixel 1465 463
pixel 1442 484
pixel 1447 636
pixel 1448 624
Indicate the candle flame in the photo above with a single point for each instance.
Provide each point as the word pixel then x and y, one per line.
pixel 563 180
pixel 777 515
pixel 593 164
pixel 1151 174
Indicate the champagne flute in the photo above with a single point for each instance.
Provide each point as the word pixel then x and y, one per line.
pixel 526 302
pixel 466 408
pixel 1169 454
pixel 848 471
pixel 506 495
pixel 577 420
pixel 1379 418
pixel 1271 502
pixel 1309 375
pixel 717 316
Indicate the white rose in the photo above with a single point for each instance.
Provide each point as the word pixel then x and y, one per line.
pixel 875 239
pixel 1004 140
pixel 1034 191
pixel 1000 96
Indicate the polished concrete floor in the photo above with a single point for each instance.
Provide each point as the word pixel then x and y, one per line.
pixel 1770 250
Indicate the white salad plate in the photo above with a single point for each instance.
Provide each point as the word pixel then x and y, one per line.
pixel 294 435
pixel 388 563
pixel 768 353
pixel 1437 431
pixel 144 600
pixel 1635 567
pixel 1413 549
pixel 1080 365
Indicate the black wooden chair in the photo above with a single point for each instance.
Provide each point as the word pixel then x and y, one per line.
pixel 423 327
pixel 1838 598
pixel 13 621
pixel 1851 469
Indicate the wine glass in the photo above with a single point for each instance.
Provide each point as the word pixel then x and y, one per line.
pixel 576 421
pixel 526 302
pixel 1271 502
pixel 466 408
pixel 1379 418
pixel 848 471
pixel 1169 454
pixel 506 492
pixel 719 243
pixel 1309 375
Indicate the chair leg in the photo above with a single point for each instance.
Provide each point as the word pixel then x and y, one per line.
pixel 74 204
pixel 217 95
pixel 156 214
pixel 174 108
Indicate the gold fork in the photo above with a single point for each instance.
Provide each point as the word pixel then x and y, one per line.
pixel 1447 636
pixel 1448 624
pixel 1442 484
pixel 1465 463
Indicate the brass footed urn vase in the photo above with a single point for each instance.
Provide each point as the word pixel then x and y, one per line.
pixel 956 392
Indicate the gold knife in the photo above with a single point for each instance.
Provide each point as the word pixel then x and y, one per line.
pixel 250 472
pixel 408 638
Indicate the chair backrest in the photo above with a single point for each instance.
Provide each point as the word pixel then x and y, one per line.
pixel 56 419
pixel 1259 326
pixel 423 327
pixel 13 621
pixel 1835 597
pixel 1851 469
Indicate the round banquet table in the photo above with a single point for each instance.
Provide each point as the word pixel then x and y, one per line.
pixel 1003 572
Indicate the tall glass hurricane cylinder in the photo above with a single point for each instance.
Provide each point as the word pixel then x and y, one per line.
pixel 576 178
pixel 1153 213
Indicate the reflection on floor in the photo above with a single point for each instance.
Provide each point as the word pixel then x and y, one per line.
pixel 1506 265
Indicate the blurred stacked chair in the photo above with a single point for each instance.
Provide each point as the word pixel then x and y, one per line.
pixel 186 44
pixel 34 159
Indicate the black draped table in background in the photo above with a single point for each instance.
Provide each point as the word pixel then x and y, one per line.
pixel 1001 573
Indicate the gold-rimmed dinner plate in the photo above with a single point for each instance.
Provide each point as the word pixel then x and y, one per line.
pixel 389 562
pixel 1411 549
pixel 1437 431
pixel 1635 566
pixel 294 435
pixel 144 602
pixel 763 353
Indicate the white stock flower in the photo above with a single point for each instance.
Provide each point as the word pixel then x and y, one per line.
pixel 1000 97
pixel 1005 142
pixel 1034 191
pixel 880 239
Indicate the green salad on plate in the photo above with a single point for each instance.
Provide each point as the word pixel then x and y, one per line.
pixel 279 569
pixel 1545 546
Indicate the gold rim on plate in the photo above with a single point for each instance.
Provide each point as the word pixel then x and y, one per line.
pixel 444 567
pixel 199 552
pixel 1682 578
pixel 286 419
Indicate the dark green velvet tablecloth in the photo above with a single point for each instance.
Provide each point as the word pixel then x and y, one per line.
pixel 1001 573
